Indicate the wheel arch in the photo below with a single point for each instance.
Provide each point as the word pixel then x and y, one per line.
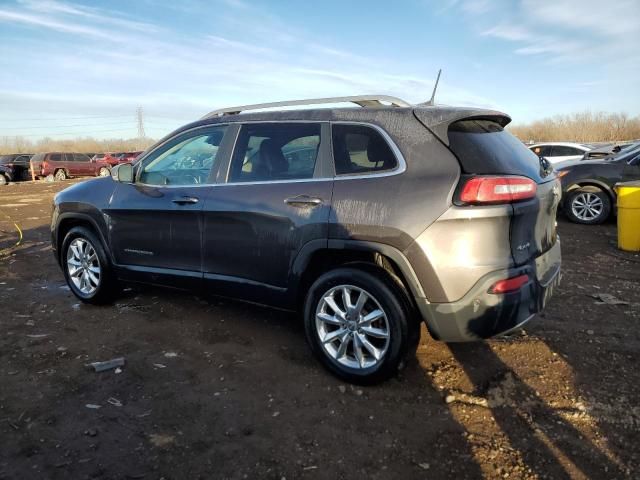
pixel 67 221
pixel 593 183
pixel 318 257
pixel 57 169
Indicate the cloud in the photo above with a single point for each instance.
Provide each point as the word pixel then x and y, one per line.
pixel 59 26
pixel 250 58
pixel 87 13
pixel 575 31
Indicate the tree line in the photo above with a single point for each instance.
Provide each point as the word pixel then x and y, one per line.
pixel 575 127
pixel 580 127
pixel 19 144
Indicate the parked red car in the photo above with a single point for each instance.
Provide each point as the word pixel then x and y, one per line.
pixel 130 157
pixel 113 158
pixel 66 165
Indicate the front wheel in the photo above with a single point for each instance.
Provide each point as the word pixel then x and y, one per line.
pixel 86 266
pixel 588 205
pixel 358 324
pixel 3 180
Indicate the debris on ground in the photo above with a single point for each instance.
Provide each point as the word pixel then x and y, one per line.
pixel 107 365
pixel 558 403
pixel 607 299
pixel 161 440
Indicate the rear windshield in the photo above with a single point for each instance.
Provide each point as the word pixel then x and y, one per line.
pixel 483 147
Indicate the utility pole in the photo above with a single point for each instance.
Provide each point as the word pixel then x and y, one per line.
pixel 140 118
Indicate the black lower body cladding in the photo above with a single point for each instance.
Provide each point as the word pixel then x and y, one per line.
pixel 480 314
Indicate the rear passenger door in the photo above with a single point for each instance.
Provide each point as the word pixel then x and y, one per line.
pixel 275 202
pixel 80 164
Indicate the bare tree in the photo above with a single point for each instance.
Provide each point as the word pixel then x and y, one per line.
pixel 581 127
pixel 20 144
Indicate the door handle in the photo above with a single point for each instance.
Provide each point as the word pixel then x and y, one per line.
pixel 303 201
pixel 185 200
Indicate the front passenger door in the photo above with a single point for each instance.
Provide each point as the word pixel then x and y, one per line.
pixel 155 222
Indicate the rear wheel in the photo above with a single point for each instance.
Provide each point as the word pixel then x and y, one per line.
pixel 358 324
pixel 60 175
pixel 3 180
pixel 86 266
pixel 104 172
pixel 588 205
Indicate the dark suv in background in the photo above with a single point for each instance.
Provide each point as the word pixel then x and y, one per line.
pixel 14 167
pixel 366 220
pixel 589 185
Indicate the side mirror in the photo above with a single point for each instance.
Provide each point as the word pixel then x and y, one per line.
pixel 122 173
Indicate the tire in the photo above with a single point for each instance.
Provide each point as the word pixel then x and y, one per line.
pixel 3 179
pixel 588 205
pixel 104 172
pixel 322 322
pixel 60 175
pixel 94 292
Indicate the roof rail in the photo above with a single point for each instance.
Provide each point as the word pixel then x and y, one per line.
pixel 362 100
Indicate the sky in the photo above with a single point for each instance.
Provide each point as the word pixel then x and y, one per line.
pixel 72 68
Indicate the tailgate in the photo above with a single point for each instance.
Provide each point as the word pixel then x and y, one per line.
pixel 483 147
pixel 533 225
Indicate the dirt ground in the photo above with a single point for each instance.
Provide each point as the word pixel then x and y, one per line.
pixel 218 389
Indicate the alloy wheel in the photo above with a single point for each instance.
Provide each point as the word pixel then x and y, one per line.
pixel 83 266
pixel 587 206
pixel 352 327
pixel 104 172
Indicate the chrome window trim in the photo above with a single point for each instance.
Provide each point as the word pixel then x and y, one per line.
pixel 157 147
pixel 399 169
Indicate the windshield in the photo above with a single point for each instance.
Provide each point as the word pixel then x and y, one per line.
pixel 5 159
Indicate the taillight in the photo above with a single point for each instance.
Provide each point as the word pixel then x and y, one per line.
pixel 44 165
pixel 509 284
pixel 494 190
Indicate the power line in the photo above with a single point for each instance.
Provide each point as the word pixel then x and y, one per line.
pixel 65 126
pixel 68 133
pixel 87 117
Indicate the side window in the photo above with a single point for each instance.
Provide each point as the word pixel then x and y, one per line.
pixel 562 151
pixel 275 151
pixel 539 150
pixel 360 149
pixel 184 161
pixel 55 157
pixel 79 157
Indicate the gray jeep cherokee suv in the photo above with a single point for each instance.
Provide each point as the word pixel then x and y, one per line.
pixel 367 220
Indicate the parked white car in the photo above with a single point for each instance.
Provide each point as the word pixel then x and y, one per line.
pixel 557 152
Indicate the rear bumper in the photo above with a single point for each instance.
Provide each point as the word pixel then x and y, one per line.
pixel 480 314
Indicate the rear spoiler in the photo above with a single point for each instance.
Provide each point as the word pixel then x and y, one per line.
pixel 437 119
